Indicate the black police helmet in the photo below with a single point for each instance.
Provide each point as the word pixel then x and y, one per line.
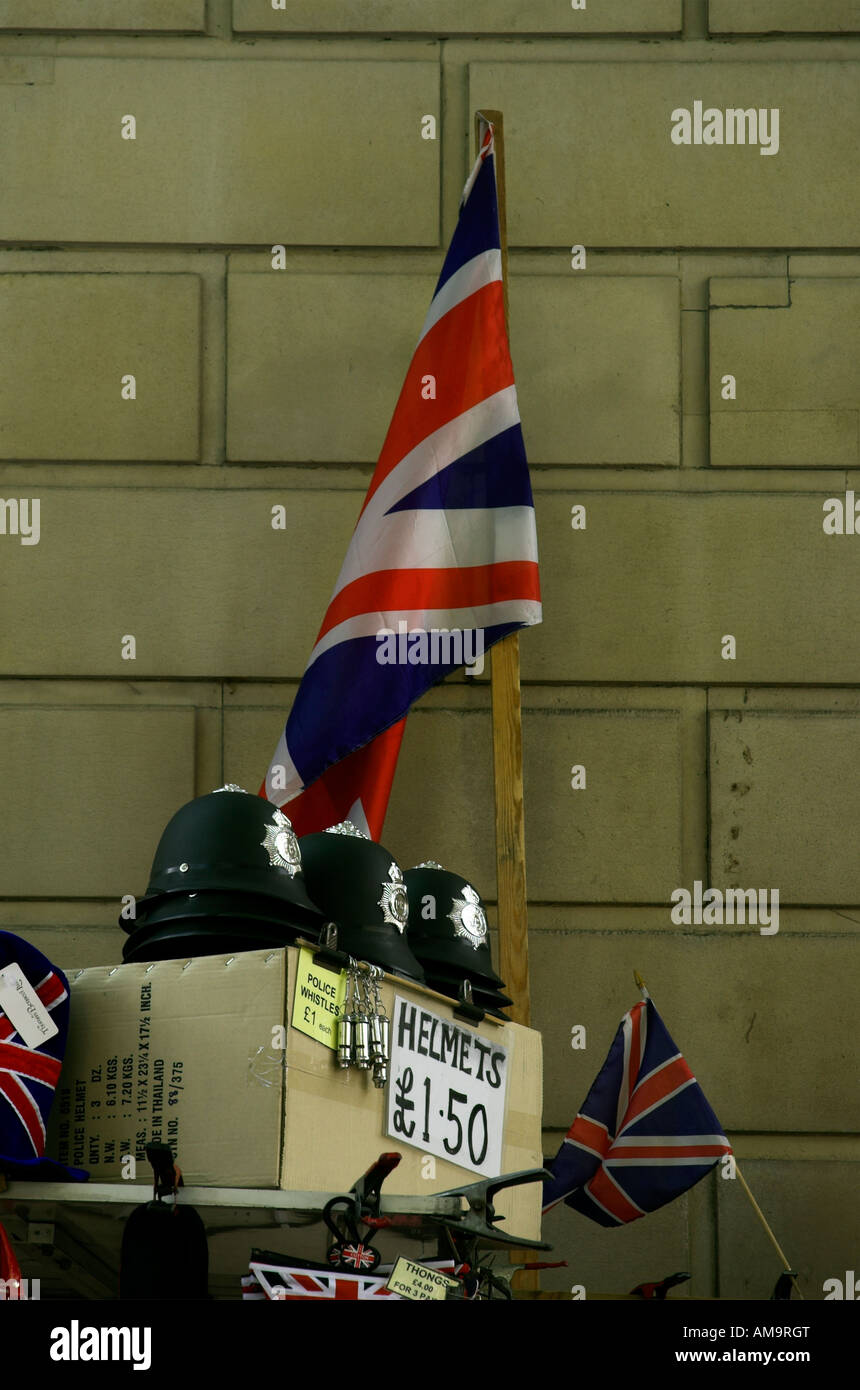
pixel 356 883
pixel 232 842
pixel 448 924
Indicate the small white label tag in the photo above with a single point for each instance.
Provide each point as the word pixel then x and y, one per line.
pixel 24 1009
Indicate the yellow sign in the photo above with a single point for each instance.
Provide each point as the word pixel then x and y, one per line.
pixel 318 1000
pixel 418 1282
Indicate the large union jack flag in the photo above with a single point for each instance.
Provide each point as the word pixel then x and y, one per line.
pixel 445 543
pixel 645 1134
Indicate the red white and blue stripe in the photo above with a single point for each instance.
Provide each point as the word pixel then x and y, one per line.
pixel 446 537
pixel 645 1134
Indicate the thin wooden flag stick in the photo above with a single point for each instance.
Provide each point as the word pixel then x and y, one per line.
pixel 640 983
pixel 507 721
pixel 508 745
pixel 770 1235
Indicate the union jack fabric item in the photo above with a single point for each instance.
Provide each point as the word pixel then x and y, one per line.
pixel 645 1134
pixel 29 1075
pixel 359 1256
pixel 443 559
pixel 286 1283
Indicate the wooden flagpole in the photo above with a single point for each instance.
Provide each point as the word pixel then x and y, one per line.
pixel 507 723
pixel 753 1203
pixel 508 745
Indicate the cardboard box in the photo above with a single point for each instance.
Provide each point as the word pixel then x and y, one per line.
pixel 201 1054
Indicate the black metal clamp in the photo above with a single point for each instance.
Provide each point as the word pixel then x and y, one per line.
pixel 466 1008
pixel 327 951
pixel 479 1222
pixel 167 1177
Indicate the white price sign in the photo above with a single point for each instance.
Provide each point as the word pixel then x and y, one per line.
pixel 447 1090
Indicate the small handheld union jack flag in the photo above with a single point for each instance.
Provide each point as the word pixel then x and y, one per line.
pixel 645 1134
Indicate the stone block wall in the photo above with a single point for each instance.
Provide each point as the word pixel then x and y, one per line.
pixel 691 381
